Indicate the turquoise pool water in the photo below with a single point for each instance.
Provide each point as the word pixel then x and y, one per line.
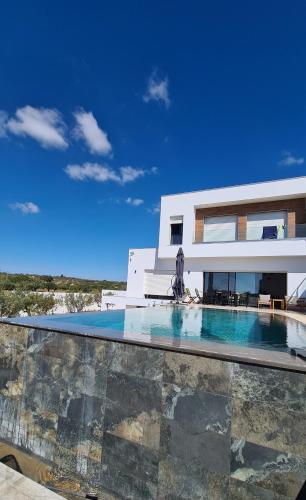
pixel 260 330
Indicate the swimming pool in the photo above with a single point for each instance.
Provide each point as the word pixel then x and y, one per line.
pixel 251 329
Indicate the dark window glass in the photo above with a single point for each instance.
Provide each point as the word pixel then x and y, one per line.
pixel 248 283
pixel 253 284
pixel 177 233
pixel 216 282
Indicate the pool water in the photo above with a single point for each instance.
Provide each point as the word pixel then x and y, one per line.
pixel 260 330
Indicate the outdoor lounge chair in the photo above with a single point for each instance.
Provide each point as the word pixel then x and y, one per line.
pixel 296 303
pixel 187 299
pixel 198 299
pixel 264 300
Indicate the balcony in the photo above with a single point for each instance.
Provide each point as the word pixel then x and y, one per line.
pixel 289 242
pixel 253 233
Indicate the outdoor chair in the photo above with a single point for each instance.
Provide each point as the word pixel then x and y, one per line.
pixel 264 300
pixel 188 299
pixel 211 298
pixel 295 302
pixel 225 299
pixel 243 299
pixel 198 299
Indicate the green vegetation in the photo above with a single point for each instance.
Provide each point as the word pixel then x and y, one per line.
pixel 15 302
pixel 43 283
pixel 77 302
pixel 19 293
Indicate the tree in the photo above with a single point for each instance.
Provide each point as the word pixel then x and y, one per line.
pixel 76 302
pixel 36 303
pixel 10 304
pixel 14 303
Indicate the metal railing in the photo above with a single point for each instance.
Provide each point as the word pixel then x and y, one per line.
pixel 253 233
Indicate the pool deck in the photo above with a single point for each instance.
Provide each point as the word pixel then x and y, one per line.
pixel 217 350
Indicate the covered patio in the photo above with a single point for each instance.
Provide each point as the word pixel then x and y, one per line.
pixel 244 288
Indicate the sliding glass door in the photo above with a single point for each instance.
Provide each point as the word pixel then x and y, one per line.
pixel 251 283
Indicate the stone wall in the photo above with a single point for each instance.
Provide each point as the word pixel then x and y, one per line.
pixel 133 422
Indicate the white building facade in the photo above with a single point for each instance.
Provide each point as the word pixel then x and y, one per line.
pixel 248 238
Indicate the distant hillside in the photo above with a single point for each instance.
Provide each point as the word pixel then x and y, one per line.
pixel 36 282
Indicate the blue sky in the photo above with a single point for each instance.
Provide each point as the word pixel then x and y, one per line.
pixel 105 106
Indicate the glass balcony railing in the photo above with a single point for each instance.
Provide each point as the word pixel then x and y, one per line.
pixel 252 233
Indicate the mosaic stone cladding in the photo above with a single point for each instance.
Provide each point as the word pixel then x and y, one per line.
pixel 87 415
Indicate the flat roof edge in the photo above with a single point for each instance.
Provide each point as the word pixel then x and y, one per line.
pixel 235 186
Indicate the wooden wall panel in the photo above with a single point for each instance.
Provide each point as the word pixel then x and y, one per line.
pixel 294 208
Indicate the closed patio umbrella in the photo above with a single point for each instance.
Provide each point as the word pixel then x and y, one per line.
pixel 179 287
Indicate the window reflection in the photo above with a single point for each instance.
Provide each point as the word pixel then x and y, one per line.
pixel 246 283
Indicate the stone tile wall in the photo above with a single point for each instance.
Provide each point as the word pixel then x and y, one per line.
pixel 131 422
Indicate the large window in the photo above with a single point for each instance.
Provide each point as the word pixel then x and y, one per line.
pixel 251 283
pixel 248 283
pixel 274 222
pixel 220 228
pixel 219 282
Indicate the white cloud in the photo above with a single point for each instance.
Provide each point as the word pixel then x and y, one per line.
pixel 92 171
pixel 157 90
pixel 155 209
pixel 103 173
pixel 42 124
pixel 26 208
pixel 130 174
pixel 87 128
pixel 135 202
pixel 3 123
pixel 289 159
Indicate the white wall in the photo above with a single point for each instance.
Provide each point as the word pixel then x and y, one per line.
pixel 122 302
pixel 259 264
pixel 296 285
pixel 140 259
pixel 184 205
pixel 144 259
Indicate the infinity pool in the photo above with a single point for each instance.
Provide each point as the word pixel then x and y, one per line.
pixel 251 329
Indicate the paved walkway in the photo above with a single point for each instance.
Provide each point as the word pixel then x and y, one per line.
pixel 15 486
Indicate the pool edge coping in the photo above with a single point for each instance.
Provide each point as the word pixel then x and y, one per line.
pixel 215 350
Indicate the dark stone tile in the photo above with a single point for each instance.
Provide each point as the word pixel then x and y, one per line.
pixel 66 347
pixel 13 341
pixel 134 459
pixel 9 417
pixel 137 361
pixel 128 487
pixel 133 392
pixel 269 425
pixel 103 494
pixel 43 379
pixel 128 469
pixel 197 372
pixel 240 490
pixel 84 421
pixel 196 411
pixel 254 383
pixel 133 409
pixel 84 369
pixel 281 473
pixel 200 449
pixel 179 481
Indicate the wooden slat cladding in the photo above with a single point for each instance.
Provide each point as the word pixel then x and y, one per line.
pixel 295 209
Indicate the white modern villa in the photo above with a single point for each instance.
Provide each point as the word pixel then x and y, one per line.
pixel 245 239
